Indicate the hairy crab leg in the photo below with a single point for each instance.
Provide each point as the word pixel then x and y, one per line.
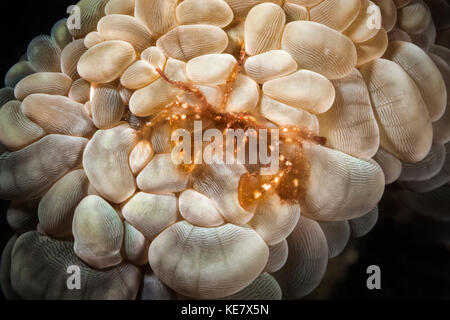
pixel 232 79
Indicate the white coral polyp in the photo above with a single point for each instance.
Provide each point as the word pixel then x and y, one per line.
pixel 310 64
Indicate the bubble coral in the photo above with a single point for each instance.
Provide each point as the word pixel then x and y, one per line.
pixel 86 143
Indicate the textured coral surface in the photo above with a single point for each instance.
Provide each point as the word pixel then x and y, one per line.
pixel 357 88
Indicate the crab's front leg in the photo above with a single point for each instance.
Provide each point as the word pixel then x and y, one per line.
pixel 232 79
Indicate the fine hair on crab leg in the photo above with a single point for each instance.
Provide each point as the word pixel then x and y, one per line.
pixel 232 78
pixel 187 88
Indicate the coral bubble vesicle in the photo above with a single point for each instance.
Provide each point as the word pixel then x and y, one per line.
pixel 352 95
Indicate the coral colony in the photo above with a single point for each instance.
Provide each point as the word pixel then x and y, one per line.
pixel 164 149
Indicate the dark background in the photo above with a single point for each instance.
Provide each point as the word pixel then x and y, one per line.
pixel 413 252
